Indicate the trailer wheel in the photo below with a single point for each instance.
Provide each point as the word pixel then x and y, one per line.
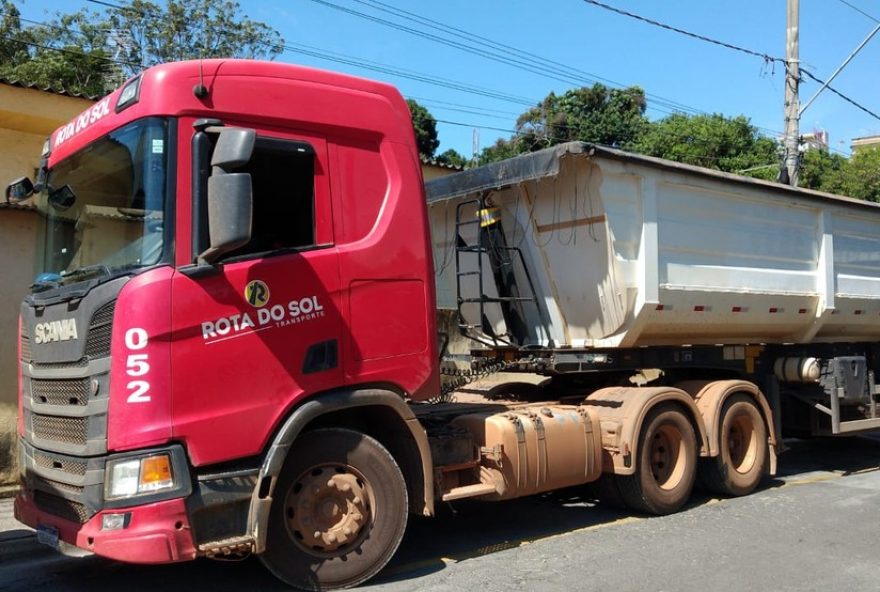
pixel 339 511
pixel 666 463
pixel 742 458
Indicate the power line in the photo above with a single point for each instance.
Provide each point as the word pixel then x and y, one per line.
pixel 508 55
pixel 374 66
pixel 842 96
pixel 521 64
pixel 69 51
pixel 543 63
pixel 533 58
pixel 486 109
pixel 469 110
pixel 763 56
pixel 335 57
pixel 859 10
pixel 408 74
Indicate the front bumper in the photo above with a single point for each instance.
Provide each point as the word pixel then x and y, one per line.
pixel 157 532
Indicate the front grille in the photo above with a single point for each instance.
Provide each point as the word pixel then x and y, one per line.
pixel 72 467
pixel 63 508
pixel 81 363
pixel 60 392
pixel 26 352
pixel 100 329
pixel 70 430
pixel 59 486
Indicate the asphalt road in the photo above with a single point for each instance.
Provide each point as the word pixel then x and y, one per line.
pixel 816 526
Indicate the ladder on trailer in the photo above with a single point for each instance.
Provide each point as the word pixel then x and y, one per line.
pixel 501 259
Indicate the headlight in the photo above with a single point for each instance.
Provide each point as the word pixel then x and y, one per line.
pixel 126 478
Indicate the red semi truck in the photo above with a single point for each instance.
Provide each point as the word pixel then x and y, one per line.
pixel 233 344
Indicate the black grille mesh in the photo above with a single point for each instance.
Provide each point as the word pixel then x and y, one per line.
pixel 59 486
pixel 70 430
pixel 100 328
pixel 72 467
pixel 63 508
pixel 81 363
pixel 26 352
pixel 60 392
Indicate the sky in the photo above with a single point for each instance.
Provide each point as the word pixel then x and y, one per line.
pixel 564 44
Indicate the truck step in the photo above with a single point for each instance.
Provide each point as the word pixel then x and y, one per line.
pixel 466 491
pixel 227 547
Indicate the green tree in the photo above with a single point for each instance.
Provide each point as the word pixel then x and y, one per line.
pixel 714 141
pixel 425 127
pixel 452 157
pixel 859 177
pixel 597 114
pixel 500 150
pixel 13 50
pixel 94 51
pixel 821 170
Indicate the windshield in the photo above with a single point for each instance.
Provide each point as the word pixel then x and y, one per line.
pixel 104 205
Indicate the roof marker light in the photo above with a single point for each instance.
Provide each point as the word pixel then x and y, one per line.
pixel 130 94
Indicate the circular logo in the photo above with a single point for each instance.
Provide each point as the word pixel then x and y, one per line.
pixel 257 293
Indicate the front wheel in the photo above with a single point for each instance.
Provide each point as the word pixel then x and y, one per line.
pixel 339 511
pixel 666 463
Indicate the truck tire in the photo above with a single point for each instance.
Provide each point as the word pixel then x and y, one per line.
pixel 742 457
pixel 666 463
pixel 339 511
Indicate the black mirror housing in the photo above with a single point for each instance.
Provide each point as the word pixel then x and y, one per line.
pixel 230 195
pixel 230 212
pixel 19 190
pixel 234 148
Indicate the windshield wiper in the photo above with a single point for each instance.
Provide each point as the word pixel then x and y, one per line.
pixel 79 274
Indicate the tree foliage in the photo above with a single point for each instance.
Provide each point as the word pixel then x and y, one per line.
pixel 91 52
pixel 729 144
pixel 597 114
pixel 425 127
pixel 857 177
pixel 452 157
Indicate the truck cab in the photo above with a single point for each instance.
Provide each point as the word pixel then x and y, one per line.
pixel 225 241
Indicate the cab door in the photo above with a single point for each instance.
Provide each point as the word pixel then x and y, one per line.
pixel 261 329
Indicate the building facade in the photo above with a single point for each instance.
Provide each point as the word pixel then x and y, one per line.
pixel 27 116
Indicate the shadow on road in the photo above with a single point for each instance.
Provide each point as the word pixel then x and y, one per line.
pixel 459 532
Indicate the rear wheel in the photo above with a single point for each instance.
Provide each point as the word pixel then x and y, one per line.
pixel 742 458
pixel 665 465
pixel 339 512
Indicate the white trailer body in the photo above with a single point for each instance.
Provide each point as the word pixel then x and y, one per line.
pixel 629 251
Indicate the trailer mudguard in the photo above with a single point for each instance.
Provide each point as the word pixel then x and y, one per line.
pixel 710 396
pixel 622 410
pixel 319 406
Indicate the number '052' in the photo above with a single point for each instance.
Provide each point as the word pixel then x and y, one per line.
pixel 137 365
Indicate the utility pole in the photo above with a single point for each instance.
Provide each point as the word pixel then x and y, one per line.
pixel 789 173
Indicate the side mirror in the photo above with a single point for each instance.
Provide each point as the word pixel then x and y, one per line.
pixel 230 195
pixel 62 198
pixel 19 190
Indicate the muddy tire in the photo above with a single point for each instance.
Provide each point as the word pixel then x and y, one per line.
pixel 743 454
pixel 666 463
pixel 606 490
pixel 339 511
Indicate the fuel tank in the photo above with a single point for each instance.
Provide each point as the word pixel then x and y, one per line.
pixel 535 449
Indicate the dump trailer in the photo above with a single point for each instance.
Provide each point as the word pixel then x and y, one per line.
pixel 600 261
pixel 233 345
